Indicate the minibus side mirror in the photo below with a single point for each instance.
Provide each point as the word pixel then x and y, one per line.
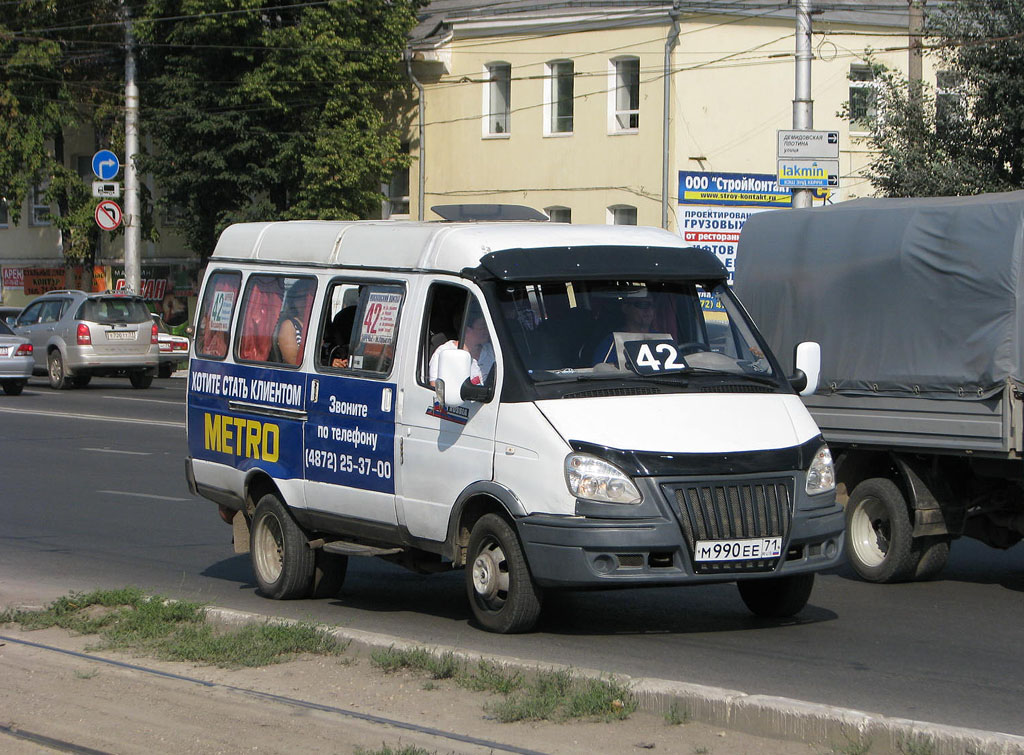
pixel 807 358
pixel 453 386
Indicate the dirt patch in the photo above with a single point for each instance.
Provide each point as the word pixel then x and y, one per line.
pixel 313 704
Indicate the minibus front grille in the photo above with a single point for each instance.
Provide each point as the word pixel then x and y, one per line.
pixel 711 510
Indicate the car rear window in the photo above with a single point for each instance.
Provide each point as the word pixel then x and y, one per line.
pixel 4 330
pixel 114 310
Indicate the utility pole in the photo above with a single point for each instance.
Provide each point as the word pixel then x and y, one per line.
pixel 132 215
pixel 803 105
pixel 915 30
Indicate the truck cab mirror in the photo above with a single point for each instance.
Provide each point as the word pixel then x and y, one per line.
pixel 453 386
pixel 807 358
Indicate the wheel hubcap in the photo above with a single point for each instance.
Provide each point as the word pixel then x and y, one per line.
pixel 870 532
pixel 268 549
pixel 490 575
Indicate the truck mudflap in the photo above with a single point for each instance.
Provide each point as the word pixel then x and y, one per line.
pixel 588 552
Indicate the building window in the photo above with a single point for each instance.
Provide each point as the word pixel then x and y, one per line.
pixel 950 101
pixel 3 213
pixel 396 192
pixel 622 214
pixel 559 214
pixel 863 97
pixel 558 99
pixel 624 93
pixel 497 102
pixel 40 207
pixel 83 167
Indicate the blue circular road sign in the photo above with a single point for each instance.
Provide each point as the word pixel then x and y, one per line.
pixel 105 164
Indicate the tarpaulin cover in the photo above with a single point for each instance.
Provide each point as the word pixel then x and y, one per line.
pixel 905 296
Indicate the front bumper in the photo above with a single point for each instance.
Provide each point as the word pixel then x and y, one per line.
pixel 595 551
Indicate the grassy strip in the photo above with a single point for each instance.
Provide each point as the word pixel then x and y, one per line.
pixel 547 696
pixel 129 620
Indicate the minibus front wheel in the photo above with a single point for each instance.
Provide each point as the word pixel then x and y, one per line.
pixel 501 591
pixel 281 558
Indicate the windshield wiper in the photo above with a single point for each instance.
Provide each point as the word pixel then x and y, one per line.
pixel 762 379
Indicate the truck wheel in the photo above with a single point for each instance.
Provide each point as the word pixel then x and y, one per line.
pixel 329 571
pixel 777 597
pixel 141 379
pixel 281 558
pixel 55 370
pixel 501 591
pixel 13 387
pixel 879 533
pixel 934 553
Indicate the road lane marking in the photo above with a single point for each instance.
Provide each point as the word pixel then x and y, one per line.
pixel 97 417
pixel 149 400
pixel 142 495
pixel 118 451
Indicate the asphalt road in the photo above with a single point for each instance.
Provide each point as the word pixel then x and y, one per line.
pixel 93 494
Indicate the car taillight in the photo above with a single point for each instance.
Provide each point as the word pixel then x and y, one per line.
pixel 25 350
pixel 153 338
pixel 178 346
pixel 84 336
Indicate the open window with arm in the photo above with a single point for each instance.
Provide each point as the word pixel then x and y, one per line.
pixel 359 327
pixel 454 321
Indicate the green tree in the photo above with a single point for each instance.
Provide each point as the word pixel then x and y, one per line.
pixel 967 138
pixel 60 70
pixel 273 109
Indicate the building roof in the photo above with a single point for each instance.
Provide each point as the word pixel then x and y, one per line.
pixel 437 19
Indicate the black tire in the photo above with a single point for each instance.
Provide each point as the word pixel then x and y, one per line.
pixel 777 597
pixel 329 571
pixel 140 379
pixel 879 532
pixel 933 554
pixel 281 557
pixel 55 371
pixel 165 370
pixel 81 381
pixel 14 387
pixel 501 591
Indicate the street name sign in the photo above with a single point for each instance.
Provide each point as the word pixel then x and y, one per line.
pixel 808 145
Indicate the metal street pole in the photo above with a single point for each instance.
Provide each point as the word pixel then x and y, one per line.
pixel 803 105
pixel 132 215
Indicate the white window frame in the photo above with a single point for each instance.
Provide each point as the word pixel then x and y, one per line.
pixel 870 85
pixel 559 214
pixel 491 119
pixel 615 85
pixel 555 72
pixel 38 206
pixel 618 212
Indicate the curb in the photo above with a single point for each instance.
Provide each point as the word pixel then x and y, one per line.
pixel 761 715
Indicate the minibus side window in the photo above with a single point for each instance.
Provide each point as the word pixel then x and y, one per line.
pixel 274 322
pixel 454 319
pixel 214 323
pixel 359 327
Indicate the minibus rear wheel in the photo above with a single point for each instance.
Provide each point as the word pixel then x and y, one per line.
pixel 281 557
pixel 501 591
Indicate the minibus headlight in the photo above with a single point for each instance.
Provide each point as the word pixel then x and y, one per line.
pixel 596 480
pixel 821 477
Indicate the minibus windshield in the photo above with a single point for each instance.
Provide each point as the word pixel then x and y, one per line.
pixel 661 331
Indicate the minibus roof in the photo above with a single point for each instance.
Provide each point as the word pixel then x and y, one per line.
pixel 446 247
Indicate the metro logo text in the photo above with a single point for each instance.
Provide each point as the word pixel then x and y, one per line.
pixel 246 438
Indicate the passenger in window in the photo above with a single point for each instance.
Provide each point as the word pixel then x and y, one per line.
pixel 476 339
pixel 290 326
pixel 637 317
pixel 337 337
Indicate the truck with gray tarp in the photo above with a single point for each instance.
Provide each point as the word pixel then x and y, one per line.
pixel 918 305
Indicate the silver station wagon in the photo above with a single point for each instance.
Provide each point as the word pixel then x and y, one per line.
pixel 76 335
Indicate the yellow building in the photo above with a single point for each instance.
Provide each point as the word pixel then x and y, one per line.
pixel 562 105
